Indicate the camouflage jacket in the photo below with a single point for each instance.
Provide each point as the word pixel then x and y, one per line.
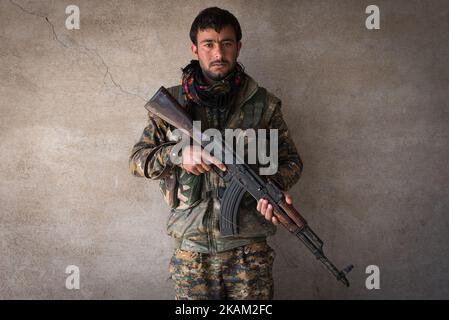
pixel 194 200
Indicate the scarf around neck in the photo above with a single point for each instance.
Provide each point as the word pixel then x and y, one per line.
pixel 221 94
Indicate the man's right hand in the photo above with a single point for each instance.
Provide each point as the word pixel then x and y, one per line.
pixel 196 160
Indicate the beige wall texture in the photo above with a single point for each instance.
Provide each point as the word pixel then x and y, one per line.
pixel 368 110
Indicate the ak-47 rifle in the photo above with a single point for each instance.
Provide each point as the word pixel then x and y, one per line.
pixel 241 178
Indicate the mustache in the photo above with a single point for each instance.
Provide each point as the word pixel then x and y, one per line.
pixel 218 62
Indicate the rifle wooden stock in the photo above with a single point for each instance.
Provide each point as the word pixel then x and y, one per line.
pixel 163 105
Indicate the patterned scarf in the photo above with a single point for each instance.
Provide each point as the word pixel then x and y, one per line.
pixel 218 98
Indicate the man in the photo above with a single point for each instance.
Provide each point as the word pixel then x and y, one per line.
pixel 216 91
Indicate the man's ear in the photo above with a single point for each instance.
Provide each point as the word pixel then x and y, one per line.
pixel 194 51
pixel 239 46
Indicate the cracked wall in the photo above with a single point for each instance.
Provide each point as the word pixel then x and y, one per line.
pixel 367 110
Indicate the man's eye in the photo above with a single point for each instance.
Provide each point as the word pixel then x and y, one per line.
pixel 209 45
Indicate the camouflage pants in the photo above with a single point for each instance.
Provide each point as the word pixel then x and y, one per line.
pixel 237 274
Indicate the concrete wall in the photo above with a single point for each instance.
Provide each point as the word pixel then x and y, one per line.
pixel 368 111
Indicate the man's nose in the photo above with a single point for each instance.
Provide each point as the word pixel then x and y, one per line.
pixel 218 54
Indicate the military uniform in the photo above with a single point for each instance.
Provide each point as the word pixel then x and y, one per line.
pixel 242 273
pixel 195 200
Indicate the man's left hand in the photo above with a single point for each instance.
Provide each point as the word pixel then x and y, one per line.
pixel 266 209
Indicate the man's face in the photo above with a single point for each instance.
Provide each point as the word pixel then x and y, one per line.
pixel 216 52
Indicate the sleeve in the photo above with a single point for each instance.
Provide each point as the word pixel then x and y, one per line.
pixel 150 156
pixel 290 165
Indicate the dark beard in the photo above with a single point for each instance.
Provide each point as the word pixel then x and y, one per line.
pixel 215 77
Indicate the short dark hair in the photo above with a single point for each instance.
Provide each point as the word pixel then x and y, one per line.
pixel 217 19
